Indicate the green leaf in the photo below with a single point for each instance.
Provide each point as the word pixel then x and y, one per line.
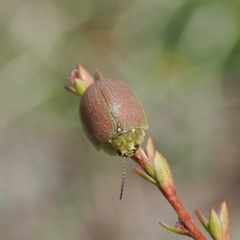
pixel 162 171
pixel 145 175
pixel 80 86
pixel 202 220
pixel 215 226
pixel 71 90
pixel 149 168
pixel 175 230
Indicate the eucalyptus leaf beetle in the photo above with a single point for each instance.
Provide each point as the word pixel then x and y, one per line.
pixel 112 116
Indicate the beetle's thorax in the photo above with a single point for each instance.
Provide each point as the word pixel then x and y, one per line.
pixel 125 142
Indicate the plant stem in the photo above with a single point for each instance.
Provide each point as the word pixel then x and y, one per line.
pixel 172 198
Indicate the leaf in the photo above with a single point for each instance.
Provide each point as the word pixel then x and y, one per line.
pixel 175 230
pixel 162 171
pixel 225 219
pixel 145 175
pixel 150 149
pixel 202 220
pixel 215 226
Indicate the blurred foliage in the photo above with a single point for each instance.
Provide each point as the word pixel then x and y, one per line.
pixel 183 60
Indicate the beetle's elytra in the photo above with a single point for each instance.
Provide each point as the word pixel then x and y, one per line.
pixel 113 117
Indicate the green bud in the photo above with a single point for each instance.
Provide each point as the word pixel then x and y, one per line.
pixel 215 226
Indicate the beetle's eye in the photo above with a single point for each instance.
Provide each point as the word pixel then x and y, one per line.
pixel 119 153
pixel 136 145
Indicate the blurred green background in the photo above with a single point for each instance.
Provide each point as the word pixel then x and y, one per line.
pixel 182 58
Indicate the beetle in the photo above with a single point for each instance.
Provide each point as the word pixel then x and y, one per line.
pixel 112 116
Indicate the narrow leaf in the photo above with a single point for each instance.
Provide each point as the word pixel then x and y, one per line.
pixel 98 74
pixel 149 168
pixel 150 149
pixel 145 175
pixel 225 219
pixel 71 90
pixel 175 230
pixel 202 220
pixel 84 75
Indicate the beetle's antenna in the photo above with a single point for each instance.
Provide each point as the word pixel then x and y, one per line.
pixel 123 176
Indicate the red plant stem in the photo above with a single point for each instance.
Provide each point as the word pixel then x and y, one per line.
pixel 172 198
pixel 168 190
